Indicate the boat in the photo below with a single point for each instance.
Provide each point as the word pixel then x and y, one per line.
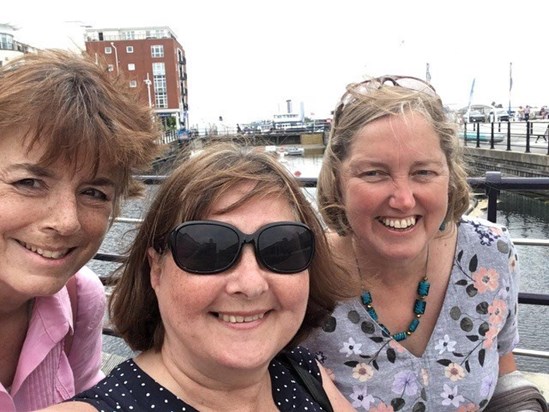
pixel 294 151
pixel 483 136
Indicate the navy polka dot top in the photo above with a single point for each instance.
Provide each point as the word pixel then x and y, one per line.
pixel 129 388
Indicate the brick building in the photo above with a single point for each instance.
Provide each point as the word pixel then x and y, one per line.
pixel 153 61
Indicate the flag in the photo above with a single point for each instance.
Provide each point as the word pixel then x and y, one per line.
pixel 510 76
pixel 428 74
pixel 471 93
pixel 510 84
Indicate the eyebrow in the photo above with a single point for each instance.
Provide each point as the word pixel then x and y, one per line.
pixel 41 171
pixel 30 167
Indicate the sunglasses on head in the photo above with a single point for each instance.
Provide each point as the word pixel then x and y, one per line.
pixel 367 86
pixel 207 247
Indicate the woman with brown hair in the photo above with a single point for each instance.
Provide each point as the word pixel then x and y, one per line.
pixel 70 139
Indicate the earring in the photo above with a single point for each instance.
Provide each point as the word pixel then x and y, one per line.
pixel 442 227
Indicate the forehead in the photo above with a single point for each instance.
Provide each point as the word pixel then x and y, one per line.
pixel 17 147
pixel 409 130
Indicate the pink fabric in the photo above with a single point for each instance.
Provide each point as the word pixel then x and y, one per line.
pixel 44 374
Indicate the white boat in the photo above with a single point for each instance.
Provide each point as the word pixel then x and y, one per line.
pixel 294 151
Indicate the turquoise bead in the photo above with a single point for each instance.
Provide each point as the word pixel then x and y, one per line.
pixel 413 325
pixel 423 288
pixel 399 336
pixel 366 298
pixel 419 307
pixel 372 313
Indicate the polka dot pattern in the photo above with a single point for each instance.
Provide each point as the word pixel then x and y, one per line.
pixel 129 388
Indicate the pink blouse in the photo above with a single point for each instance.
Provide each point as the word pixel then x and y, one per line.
pixel 45 374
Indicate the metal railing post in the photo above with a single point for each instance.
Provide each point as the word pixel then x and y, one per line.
pixel 493 194
pixel 527 137
pixel 509 135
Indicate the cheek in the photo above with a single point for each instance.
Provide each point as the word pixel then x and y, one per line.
pixel 96 224
pixel 293 293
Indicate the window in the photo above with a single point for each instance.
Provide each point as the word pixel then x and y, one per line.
pixel 133 83
pixel 157 51
pixel 129 49
pixel 131 67
pixel 108 50
pixel 160 87
pixel 110 67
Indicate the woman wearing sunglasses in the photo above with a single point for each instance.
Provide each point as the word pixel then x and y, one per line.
pixel 435 323
pixel 229 268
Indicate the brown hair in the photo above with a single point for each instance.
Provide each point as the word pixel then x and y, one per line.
pixel 357 109
pixel 188 194
pixel 73 107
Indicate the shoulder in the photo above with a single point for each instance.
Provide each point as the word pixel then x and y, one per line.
pixel 91 300
pixel 483 230
pixel 88 279
pixel 130 388
pixel 303 358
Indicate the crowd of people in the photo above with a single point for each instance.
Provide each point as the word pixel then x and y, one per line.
pixel 236 294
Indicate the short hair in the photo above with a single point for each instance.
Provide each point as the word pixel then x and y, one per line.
pixel 77 110
pixel 189 193
pixel 357 109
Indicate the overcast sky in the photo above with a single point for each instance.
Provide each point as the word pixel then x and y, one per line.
pixel 245 58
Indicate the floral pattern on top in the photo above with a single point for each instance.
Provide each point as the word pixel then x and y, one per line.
pixel 459 368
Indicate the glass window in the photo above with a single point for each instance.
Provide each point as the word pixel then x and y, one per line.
pixel 159 69
pixel 129 49
pixel 157 51
pixel 131 67
pixel 133 83
pixel 108 50
pixel 110 67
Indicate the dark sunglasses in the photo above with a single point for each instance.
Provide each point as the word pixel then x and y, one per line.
pixel 208 247
pixel 367 86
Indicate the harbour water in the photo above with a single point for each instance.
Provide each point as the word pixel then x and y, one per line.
pixel 525 218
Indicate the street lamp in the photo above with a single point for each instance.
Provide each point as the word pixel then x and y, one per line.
pixel 115 57
pixel 148 83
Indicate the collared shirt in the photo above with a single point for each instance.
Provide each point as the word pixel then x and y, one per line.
pixel 45 374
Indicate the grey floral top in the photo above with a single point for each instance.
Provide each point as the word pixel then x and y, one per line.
pixel 459 368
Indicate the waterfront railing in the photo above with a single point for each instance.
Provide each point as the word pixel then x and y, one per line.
pixel 493 183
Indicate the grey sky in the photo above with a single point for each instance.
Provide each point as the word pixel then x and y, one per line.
pixel 245 58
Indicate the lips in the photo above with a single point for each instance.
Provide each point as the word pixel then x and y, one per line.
pixel 46 253
pixel 403 223
pixel 240 319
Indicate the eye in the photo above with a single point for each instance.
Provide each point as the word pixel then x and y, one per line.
pixel 369 173
pixel 96 194
pixel 29 183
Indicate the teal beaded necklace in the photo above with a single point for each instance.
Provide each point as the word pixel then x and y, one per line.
pixel 419 305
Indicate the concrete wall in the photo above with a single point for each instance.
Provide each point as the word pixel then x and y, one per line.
pixel 508 163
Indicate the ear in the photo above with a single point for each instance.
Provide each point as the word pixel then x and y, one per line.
pixel 155 262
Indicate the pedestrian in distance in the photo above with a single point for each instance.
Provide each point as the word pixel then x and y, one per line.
pixel 230 269
pixel 70 139
pixel 435 321
pixel 544 136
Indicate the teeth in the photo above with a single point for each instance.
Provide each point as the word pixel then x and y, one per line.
pixel 50 254
pixel 239 319
pixel 400 223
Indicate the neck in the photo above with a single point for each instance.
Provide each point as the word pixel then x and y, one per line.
pixel 372 267
pixel 218 391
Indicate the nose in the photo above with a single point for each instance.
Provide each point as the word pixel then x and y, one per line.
pixel 247 278
pixel 63 215
pixel 402 196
